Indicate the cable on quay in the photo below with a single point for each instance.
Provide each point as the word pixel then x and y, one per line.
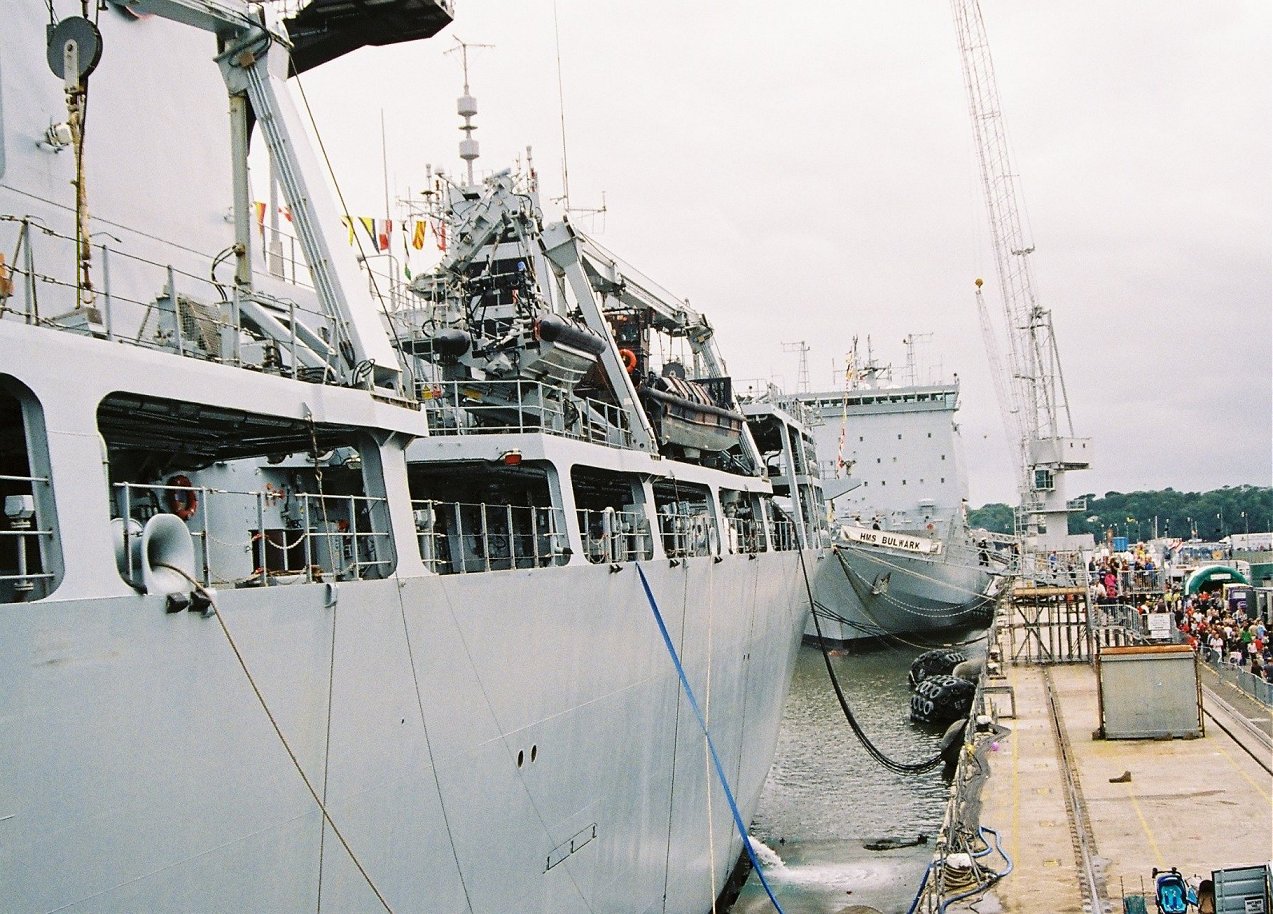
pixel 981 885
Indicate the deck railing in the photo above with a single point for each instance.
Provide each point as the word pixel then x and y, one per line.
pixel 240 539
pixel 610 535
pixel 19 584
pixel 192 314
pixel 467 538
pixel 744 536
pixel 514 407
pixel 687 535
pixel 783 534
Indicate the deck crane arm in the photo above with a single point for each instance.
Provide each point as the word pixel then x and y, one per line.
pixel 1007 403
pixel 254 62
pixel 627 287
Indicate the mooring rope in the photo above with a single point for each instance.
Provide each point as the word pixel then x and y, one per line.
pixel 215 611
pixel 872 750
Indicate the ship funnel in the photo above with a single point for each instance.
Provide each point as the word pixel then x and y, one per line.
pixel 167 557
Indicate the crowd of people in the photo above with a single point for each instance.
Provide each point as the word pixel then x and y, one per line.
pixel 1217 631
pixel 1222 633
pixel 1114 577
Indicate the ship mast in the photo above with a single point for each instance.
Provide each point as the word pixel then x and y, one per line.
pixel 466 107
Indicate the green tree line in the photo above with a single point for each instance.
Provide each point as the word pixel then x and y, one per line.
pixel 1165 512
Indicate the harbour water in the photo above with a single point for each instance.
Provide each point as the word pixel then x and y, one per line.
pixel 826 798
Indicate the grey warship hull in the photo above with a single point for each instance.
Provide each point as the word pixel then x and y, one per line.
pixel 280 629
pixel 481 745
pixel 907 482
pixel 871 593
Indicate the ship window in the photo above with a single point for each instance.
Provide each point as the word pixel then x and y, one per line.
pixel 930 434
pixel 30 553
pixel 473 516
pixel 266 499
pixel 686 524
pixel 611 511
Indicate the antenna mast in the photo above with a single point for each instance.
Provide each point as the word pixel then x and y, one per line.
pixel 802 381
pixel 466 107
pixel 909 341
pixel 564 199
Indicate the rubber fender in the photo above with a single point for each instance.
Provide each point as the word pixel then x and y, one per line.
pixel 941 699
pixel 931 663
pixel 970 669
pixel 953 740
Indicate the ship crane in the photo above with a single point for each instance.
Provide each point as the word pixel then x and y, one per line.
pixel 1034 400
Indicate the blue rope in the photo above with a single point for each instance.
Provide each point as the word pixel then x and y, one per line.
pixel 720 771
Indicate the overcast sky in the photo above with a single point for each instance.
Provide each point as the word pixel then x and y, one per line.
pixel 805 171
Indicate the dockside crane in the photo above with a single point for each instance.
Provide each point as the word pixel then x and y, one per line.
pixel 1035 403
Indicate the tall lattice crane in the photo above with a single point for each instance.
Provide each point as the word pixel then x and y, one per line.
pixel 1038 408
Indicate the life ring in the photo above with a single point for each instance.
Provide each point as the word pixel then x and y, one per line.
pixel 183 501
pixel 629 360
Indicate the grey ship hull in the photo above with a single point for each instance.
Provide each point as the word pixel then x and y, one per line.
pixel 870 592
pixel 465 733
pixel 502 741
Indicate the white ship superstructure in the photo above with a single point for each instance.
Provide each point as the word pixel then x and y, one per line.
pixel 902 449
pixel 296 615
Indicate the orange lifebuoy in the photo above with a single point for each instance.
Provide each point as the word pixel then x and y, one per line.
pixel 629 360
pixel 182 500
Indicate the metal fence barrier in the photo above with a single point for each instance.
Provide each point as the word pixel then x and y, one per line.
pixel 1232 674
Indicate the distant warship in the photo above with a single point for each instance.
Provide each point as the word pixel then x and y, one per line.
pixel 905 559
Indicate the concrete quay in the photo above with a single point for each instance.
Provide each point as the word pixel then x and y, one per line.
pixel 1196 804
